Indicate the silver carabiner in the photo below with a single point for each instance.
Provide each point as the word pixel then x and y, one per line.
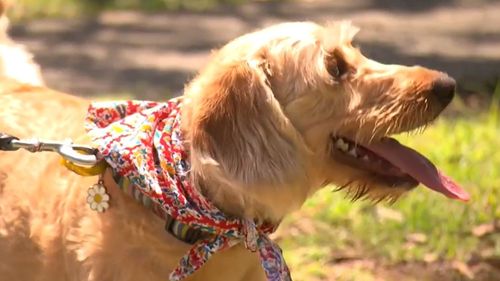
pixel 78 154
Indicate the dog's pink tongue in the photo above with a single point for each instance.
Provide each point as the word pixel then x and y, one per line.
pixel 418 167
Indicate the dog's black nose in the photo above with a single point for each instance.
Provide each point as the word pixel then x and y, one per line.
pixel 443 89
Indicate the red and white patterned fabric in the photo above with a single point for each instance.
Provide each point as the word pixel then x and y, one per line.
pixel 142 141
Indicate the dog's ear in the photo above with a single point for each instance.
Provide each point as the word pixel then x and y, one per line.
pixel 237 128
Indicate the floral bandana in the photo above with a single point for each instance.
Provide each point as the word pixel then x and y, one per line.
pixel 142 141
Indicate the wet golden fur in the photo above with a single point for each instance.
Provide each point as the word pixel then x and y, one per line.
pixel 257 121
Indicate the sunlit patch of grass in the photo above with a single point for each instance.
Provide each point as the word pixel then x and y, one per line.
pixel 195 5
pixel 28 9
pixel 464 147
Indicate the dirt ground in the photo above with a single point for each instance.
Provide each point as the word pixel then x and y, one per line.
pixel 152 55
pixel 413 271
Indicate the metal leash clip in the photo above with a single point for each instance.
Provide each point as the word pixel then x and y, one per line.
pixel 78 154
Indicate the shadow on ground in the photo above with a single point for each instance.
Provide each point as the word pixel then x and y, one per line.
pixel 152 55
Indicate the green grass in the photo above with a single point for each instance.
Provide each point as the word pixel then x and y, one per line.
pixel 330 226
pixel 28 9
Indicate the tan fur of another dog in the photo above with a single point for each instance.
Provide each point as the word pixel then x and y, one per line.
pixel 258 121
pixel 16 62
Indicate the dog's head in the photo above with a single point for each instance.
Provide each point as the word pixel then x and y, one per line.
pixel 280 112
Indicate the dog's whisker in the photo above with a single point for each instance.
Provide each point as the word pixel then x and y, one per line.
pixel 342 187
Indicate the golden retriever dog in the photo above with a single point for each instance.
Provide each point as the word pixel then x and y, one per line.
pixel 275 115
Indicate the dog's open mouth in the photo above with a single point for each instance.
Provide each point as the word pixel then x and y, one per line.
pixel 396 164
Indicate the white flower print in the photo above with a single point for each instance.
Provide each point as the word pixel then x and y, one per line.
pixel 97 198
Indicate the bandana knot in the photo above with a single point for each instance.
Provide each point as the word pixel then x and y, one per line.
pixel 142 141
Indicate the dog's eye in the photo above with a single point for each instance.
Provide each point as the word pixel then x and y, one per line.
pixel 336 64
pixel 342 65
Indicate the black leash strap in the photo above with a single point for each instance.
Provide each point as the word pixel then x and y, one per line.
pixel 6 142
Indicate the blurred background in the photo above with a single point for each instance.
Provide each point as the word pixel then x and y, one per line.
pixel 103 49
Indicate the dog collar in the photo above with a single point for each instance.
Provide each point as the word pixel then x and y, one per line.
pixel 142 142
pixel 179 230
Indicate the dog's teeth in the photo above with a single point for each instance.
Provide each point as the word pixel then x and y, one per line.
pixel 365 158
pixel 352 152
pixel 341 145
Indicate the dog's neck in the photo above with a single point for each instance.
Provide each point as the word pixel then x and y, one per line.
pixel 262 203
pixel 269 206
